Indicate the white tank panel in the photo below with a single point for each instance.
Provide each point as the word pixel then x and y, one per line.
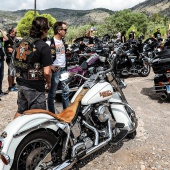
pixel 98 93
pixel 115 98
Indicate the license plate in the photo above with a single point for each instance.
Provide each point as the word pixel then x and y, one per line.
pixel 168 88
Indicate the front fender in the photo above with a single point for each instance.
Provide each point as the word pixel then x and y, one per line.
pixel 19 128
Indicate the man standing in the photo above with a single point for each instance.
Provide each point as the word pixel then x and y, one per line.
pixel 157 35
pixel 8 46
pixel 59 65
pixel 31 91
pixel 2 57
pixel 132 35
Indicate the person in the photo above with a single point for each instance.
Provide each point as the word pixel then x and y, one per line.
pixel 59 65
pixel 118 36
pixel 168 36
pixel 106 38
pixel 85 40
pixel 2 57
pixel 132 35
pixel 8 46
pixel 31 91
pixel 157 35
pixel 123 37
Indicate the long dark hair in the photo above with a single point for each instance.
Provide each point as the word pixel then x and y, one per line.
pixel 39 24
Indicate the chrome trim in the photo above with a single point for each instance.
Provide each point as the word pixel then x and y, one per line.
pixel 67 131
pixel 68 164
pixel 65 165
pixel 2 140
pixel 94 130
pixel 70 90
pixel 78 145
pixel 102 143
pixel 34 127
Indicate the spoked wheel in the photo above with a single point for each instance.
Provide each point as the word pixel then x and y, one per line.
pixel 145 70
pixel 33 149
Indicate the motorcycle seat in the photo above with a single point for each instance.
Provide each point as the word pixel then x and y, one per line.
pixel 66 115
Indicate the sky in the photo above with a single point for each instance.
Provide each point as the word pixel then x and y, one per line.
pixel 115 5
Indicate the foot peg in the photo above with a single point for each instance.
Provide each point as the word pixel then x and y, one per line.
pixel 119 125
pixel 119 137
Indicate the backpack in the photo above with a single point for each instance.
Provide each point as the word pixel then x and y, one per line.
pixel 25 59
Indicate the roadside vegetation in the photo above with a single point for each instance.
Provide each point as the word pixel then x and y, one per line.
pixel 124 20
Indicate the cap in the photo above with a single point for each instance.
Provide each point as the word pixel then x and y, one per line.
pixel 93 29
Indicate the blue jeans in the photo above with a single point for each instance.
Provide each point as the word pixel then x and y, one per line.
pixel 52 92
pixel 1 74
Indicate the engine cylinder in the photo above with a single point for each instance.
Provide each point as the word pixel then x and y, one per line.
pixel 102 113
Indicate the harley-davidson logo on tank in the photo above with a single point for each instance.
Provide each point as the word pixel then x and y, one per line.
pixel 105 93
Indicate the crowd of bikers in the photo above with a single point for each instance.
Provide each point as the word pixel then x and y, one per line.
pixel 51 59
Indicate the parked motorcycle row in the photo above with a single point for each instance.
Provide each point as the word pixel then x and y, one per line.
pixel 98 115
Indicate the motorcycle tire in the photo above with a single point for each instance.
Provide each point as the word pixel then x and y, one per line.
pixel 146 71
pixel 132 135
pixel 33 149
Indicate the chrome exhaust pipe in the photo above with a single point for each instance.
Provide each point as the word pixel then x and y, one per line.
pixel 68 164
pixel 163 97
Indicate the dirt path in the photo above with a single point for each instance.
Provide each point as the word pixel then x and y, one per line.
pixel 148 151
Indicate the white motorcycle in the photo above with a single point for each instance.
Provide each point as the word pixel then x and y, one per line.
pixel 98 115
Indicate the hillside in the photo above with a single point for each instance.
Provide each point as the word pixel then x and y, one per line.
pixel 72 17
pixel 154 6
pixel 81 17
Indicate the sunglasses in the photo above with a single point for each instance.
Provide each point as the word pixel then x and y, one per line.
pixel 64 30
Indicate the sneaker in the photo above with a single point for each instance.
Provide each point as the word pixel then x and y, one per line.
pixel 3 93
pixel 15 86
pixel 12 89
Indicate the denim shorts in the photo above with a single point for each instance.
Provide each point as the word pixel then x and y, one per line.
pixel 30 99
pixel 11 70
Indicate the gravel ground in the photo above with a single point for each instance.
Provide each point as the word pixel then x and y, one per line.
pixel 148 151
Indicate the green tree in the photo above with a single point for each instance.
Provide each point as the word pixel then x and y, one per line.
pixel 123 20
pixel 24 24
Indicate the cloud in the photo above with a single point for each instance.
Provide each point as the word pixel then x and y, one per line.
pixel 13 5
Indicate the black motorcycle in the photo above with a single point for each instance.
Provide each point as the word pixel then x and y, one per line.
pixel 132 62
pixel 161 68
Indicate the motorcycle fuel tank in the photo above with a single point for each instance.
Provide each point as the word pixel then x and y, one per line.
pixel 99 92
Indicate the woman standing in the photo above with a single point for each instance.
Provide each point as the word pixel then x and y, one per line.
pixel 123 37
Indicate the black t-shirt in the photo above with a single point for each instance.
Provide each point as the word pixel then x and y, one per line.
pixel 8 43
pixel 121 39
pixel 157 35
pixel 1 49
pixel 44 59
pixel 132 35
pixel 86 41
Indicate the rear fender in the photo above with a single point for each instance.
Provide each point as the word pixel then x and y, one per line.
pixel 19 128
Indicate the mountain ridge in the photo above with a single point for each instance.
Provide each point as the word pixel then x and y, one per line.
pixel 81 17
pixel 153 6
pixel 72 17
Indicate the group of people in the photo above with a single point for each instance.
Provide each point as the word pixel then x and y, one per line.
pixel 6 48
pixel 132 36
pixel 50 58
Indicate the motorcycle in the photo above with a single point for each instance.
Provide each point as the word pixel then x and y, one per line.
pixel 86 69
pixel 98 115
pixel 92 58
pixel 161 68
pixel 132 62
